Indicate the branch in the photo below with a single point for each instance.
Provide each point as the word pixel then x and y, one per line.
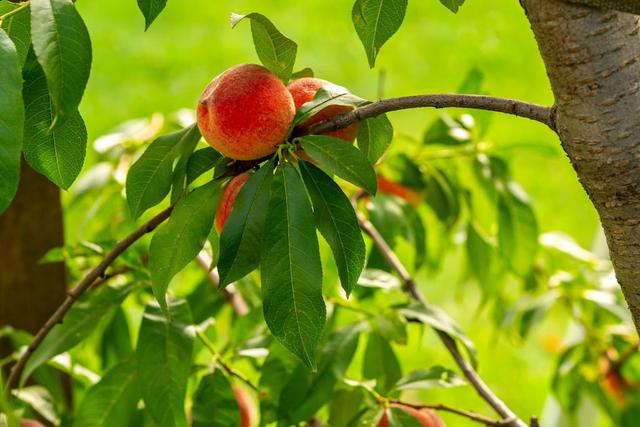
pixel 468 414
pixel 509 417
pixel 73 294
pixel 514 107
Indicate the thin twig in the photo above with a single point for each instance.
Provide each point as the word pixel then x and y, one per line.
pixel 509 419
pixel 514 107
pixel 224 365
pixel 230 293
pixel 73 294
pixel 444 408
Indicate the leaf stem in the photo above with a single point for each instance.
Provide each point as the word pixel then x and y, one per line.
pixel 14 11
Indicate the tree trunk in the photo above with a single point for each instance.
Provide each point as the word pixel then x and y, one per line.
pixel 30 292
pixel 592 58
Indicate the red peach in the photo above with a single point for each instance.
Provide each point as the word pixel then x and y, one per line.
pixel 303 90
pixel 246 405
pixel 427 417
pixel 245 112
pixel 228 198
pixel 30 423
pixel 386 186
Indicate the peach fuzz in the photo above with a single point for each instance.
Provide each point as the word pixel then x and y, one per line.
pixel 228 198
pixel 304 90
pixel 245 112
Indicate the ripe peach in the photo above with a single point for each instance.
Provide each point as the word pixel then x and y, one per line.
pixel 386 186
pixel 228 198
pixel 427 417
pixel 30 423
pixel 303 90
pixel 246 405
pixel 245 112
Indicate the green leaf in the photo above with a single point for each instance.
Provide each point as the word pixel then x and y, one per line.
pixel 380 362
pixel 113 400
pixel 18 28
pixel 214 404
pixel 329 94
pixel 151 9
pixel 177 242
pixel 149 178
pixel 375 136
pixel 308 391
pixel 276 52
pixel 517 229
pixel 63 48
pixel 392 326
pixel 341 159
pixel 452 5
pixel 184 149
pixel 483 261
pixel 442 196
pixel 305 72
pixel 58 153
pixel 12 123
pixel 375 22
pixel 200 162
pixel 434 377
pixel 83 318
pixel 164 360
pixel 337 222
pixel 440 320
pixel 241 236
pixel 291 269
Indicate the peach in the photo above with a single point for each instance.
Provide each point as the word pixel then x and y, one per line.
pixel 386 186
pixel 245 112
pixel 246 405
pixel 228 198
pixel 30 423
pixel 427 417
pixel 304 90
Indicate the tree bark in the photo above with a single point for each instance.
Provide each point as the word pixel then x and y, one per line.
pixel 631 6
pixel 592 57
pixel 30 292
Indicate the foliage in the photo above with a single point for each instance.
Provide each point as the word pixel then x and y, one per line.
pixel 318 338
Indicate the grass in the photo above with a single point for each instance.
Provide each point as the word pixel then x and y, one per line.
pixel 136 73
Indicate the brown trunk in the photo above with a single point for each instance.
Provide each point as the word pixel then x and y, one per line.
pixel 592 59
pixel 30 292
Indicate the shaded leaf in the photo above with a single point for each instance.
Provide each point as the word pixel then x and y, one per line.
pixel 164 359
pixel 329 94
pixel 375 136
pixel 452 5
pixel 63 48
pixel 200 162
pixel 151 9
pixel 290 268
pixel 113 400
pixel 337 222
pixel 375 22
pixel 434 377
pixel 214 404
pixel 341 159
pixel 12 123
pixel 380 362
pixel 18 28
pixel 242 234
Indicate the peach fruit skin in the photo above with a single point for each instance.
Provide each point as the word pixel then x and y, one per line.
pixel 30 423
pixel 303 90
pixel 228 198
pixel 427 417
pixel 245 112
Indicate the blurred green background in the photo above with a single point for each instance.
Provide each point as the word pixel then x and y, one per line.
pixel 136 73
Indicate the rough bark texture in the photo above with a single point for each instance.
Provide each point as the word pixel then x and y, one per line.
pixel 30 292
pixel 631 6
pixel 592 59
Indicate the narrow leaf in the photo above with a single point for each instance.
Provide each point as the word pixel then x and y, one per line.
pixel 375 22
pixel 12 123
pixel 86 315
pixel 435 377
pixel 517 229
pixel 56 153
pixel 276 52
pixel 336 220
pixel 151 9
pixel 375 136
pixel 177 242
pixel 183 152
pixel 63 48
pixel 113 400
pixel 149 178
pixel 214 404
pixel 328 95
pixel 380 362
pixel 242 234
pixel 164 361
pixel 18 28
pixel 341 159
pixel 200 162
pixel 291 270
pixel 452 5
